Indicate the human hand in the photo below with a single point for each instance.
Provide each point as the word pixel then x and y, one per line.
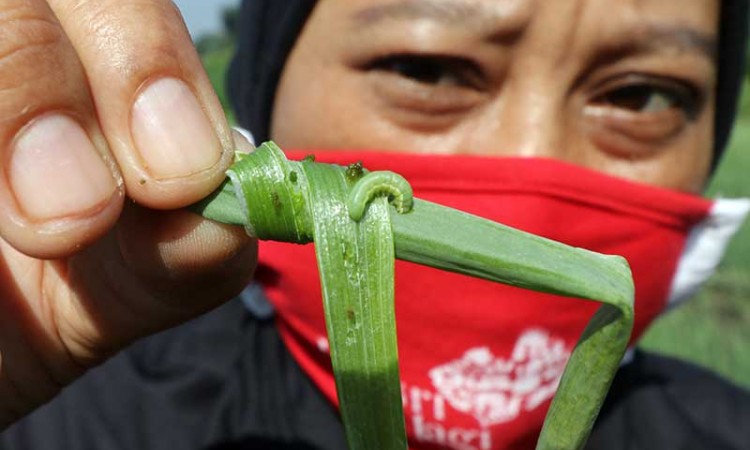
pixel 108 126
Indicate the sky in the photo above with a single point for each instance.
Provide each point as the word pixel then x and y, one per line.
pixel 203 16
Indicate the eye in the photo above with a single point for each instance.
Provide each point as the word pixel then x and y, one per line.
pixel 431 69
pixel 426 91
pixel 639 96
pixel 635 115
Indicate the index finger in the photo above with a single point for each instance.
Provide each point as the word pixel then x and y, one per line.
pixel 154 101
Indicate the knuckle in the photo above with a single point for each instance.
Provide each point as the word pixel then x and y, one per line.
pixel 131 37
pixel 34 51
pixel 28 35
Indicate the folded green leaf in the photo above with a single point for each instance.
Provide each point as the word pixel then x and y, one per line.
pixel 302 202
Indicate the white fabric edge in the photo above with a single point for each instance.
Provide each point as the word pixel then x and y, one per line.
pixel 704 249
pixel 245 132
pixel 705 246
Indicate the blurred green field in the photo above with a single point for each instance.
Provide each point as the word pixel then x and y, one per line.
pixel 216 63
pixel 712 329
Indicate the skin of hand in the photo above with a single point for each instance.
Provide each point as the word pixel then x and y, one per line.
pixel 626 88
pixel 108 126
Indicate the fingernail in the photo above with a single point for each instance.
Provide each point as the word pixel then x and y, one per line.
pixel 171 132
pixel 55 170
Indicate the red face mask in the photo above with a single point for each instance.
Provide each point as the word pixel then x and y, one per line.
pixel 480 361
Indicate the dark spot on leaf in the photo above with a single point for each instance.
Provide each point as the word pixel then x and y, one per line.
pixel 276 201
pixel 293 176
pixel 309 158
pixel 354 172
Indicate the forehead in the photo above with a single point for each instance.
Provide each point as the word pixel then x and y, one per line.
pixel 485 16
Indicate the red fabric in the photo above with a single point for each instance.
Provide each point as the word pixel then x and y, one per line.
pixel 480 360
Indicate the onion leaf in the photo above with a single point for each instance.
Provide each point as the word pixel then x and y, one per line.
pixel 302 202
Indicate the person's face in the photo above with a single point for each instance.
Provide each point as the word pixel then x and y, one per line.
pixel 624 87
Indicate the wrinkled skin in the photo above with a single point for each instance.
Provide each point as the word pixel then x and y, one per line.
pixel 101 145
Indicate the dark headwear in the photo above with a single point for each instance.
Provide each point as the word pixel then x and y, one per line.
pixel 733 31
pixel 269 29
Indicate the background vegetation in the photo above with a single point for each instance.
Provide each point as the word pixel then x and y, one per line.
pixel 712 329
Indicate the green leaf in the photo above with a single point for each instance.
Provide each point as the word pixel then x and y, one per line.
pixel 452 240
pixel 304 201
pixel 356 262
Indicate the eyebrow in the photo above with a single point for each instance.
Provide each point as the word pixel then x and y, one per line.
pixel 654 37
pixel 661 37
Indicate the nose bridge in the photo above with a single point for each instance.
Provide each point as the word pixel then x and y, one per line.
pixel 526 119
pixel 532 113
